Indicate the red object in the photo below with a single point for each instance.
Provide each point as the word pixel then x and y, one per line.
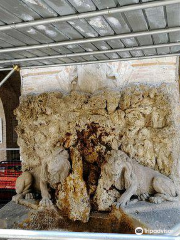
pixel 9 172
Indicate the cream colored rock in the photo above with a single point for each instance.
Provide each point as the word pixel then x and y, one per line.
pixel 73 199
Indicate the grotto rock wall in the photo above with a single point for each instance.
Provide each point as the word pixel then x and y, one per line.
pixel 140 120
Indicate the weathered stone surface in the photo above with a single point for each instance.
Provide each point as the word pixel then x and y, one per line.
pixel 73 199
pixel 164 216
pixel 94 77
pixel 140 120
pixel 141 214
pixel 19 217
pixel 12 214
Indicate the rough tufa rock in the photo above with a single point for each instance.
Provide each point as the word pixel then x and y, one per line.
pixel 73 199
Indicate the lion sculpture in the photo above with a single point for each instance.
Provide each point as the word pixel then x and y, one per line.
pixel 52 172
pixel 120 172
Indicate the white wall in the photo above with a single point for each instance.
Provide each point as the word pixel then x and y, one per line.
pixel 90 78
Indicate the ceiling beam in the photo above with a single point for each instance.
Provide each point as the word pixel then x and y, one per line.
pixel 119 50
pixel 91 40
pixel 97 61
pixel 89 14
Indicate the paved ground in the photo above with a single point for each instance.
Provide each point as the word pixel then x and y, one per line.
pixel 156 216
pixel 12 214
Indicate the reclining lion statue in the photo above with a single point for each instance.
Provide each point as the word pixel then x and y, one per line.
pixel 120 172
pixel 52 172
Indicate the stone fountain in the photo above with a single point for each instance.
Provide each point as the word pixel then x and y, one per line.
pixel 99 151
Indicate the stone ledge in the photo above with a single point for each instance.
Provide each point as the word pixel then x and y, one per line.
pixel 141 214
pixel 156 216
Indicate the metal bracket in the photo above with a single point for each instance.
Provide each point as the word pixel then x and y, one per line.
pixel 15 68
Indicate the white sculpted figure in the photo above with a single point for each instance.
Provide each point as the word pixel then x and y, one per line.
pixel 52 171
pixel 127 174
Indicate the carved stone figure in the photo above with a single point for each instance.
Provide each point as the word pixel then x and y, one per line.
pixel 125 173
pixel 24 185
pixel 52 172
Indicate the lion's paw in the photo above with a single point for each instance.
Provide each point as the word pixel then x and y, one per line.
pixel 46 203
pixel 156 200
pixel 143 197
pixel 29 196
pixel 17 197
pixel 121 203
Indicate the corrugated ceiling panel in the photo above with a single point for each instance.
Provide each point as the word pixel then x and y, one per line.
pixel 75 48
pixel 38 36
pixel 112 55
pixel 83 5
pixel 44 34
pixel 21 37
pixel 4 44
pixel 66 60
pixel 88 47
pixel 62 7
pixel 57 61
pixel 137 22
pixel 15 37
pixel 14 11
pixel 102 57
pixel 173 17
pixel 41 8
pixel 92 27
pixel 127 2
pixel 77 59
pixel 156 18
pixel 37 52
pixel 125 55
pixel 76 26
pixel 103 4
pixel 89 58
pixel 68 30
pixel 115 22
pixel 51 32
pixel 102 46
pixel 84 28
pixel 62 50
pixel 20 10
pixel 164 50
pixel 11 40
pixel 62 32
pixel 101 26
pixel 7 17
pixel 49 51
